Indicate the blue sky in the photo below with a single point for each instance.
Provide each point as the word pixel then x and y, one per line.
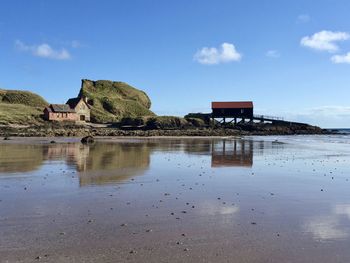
pixel 289 57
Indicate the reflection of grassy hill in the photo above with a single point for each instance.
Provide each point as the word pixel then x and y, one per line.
pixel 113 162
pixel 112 101
pixel 20 158
pixel 20 107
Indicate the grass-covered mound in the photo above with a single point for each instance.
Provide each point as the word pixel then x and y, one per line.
pixel 111 100
pixel 22 97
pixel 19 114
pixel 20 107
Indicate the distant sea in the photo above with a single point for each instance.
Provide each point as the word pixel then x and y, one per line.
pixel 341 130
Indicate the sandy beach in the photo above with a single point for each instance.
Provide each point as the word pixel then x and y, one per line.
pixel 251 199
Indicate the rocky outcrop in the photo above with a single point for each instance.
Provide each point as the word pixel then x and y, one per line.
pixel 112 100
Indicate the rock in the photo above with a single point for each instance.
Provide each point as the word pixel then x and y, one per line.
pixel 87 139
pixel 52 142
pixel 7 139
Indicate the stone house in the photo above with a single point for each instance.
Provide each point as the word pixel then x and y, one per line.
pixel 76 109
pixel 81 107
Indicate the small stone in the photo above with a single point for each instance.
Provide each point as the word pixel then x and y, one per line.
pixel 87 140
pixel 132 252
pixel 124 224
pixel 149 230
pixel 253 223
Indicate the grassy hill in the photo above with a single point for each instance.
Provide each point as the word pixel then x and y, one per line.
pixel 20 107
pixel 113 100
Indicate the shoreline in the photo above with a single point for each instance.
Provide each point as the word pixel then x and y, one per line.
pixel 82 131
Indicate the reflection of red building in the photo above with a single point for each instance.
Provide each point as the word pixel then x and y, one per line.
pixel 75 154
pixel 232 153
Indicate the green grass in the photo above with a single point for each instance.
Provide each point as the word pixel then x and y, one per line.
pixel 112 101
pixel 22 97
pixel 19 114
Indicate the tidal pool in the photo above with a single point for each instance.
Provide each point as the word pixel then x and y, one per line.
pixel 252 199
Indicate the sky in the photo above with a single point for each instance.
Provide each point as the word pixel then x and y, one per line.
pixel 291 58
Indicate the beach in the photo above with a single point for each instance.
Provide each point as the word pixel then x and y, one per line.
pixel 179 199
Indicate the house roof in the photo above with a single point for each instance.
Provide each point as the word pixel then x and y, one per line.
pixel 61 108
pixel 232 104
pixel 73 102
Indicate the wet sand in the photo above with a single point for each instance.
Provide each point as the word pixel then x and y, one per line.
pixel 257 199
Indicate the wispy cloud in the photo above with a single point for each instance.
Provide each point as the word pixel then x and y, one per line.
pixel 324 40
pixel 273 54
pixel 43 50
pixel 210 56
pixel 324 116
pixel 335 116
pixel 339 59
pixel 303 18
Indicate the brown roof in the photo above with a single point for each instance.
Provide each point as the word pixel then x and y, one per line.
pixel 73 102
pixel 61 108
pixel 232 105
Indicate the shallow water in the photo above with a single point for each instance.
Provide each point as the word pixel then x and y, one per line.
pixel 257 199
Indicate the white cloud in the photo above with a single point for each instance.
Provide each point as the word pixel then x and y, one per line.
pixel 43 50
pixel 338 59
pixel 210 56
pixel 273 54
pixel 303 18
pixel 324 40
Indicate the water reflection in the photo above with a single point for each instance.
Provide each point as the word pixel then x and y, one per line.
pixel 232 153
pixel 106 162
pixel 20 158
pixel 333 226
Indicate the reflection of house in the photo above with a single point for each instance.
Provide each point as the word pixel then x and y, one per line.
pixel 232 153
pixel 74 153
pixel 76 109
